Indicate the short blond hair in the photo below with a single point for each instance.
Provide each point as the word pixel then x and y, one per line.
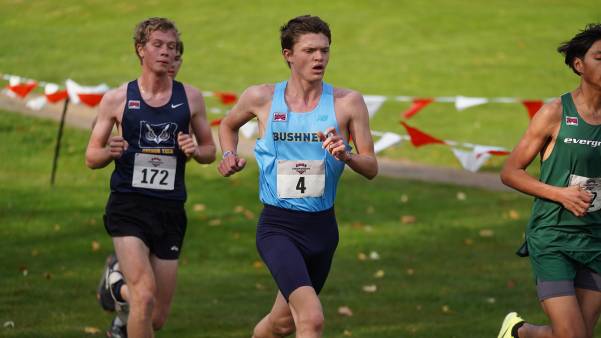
pixel 145 28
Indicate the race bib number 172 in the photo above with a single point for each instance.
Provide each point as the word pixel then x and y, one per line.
pixel 154 171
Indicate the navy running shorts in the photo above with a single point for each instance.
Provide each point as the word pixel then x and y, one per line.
pixel 159 223
pixel 297 246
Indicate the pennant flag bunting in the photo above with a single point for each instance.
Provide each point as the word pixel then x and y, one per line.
pixel 419 138
pixel 36 104
pixel 20 87
pixel 226 98
pixel 464 102
pixel 416 106
pixel 53 94
pixel 90 96
pixel 532 106
pixel 373 103
pixel 386 141
pixel 473 160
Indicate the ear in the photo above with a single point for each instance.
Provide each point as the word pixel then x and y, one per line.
pixel 578 64
pixel 287 53
pixel 140 50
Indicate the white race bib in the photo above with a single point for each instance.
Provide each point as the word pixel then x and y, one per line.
pixel 592 185
pixel 154 171
pixel 301 178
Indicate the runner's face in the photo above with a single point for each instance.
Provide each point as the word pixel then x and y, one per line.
pixel 309 56
pixel 590 65
pixel 159 52
pixel 174 69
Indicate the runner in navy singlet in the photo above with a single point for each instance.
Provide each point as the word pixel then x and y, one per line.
pixel 145 214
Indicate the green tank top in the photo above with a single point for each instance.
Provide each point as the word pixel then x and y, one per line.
pixel 575 159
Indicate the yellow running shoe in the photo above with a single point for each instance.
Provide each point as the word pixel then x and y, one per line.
pixel 509 322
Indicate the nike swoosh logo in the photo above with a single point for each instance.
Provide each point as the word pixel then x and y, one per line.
pixel 176 105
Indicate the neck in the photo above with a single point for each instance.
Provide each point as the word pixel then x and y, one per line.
pixel 152 83
pixel 590 97
pixel 306 91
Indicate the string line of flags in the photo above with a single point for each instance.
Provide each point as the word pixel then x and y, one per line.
pixel 471 156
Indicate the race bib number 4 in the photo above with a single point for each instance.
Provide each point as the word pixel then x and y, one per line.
pixel 154 171
pixel 592 185
pixel 299 179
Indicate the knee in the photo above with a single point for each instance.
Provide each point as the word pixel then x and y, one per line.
pixel 283 326
pixel 312 322
pixel 143 300
pixel 573 333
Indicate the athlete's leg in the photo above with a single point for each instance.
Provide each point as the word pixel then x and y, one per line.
pixel 277 323
pixel 165 273
pixel 307 312
pixel 135 265
pixel 566 320
pixel 590 307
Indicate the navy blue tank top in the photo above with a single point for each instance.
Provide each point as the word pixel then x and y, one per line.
pixel 153 164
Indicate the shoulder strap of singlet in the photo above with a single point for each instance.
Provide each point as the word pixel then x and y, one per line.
pixel 568 106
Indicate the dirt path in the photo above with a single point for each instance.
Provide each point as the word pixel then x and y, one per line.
pixel 81 116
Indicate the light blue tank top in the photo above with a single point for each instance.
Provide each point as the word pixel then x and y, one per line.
pixel 295 172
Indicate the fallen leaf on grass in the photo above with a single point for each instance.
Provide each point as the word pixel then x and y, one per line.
pixel 461 196
pixel 238 209
pixel 95 246
pixel 404 198
pixel 510 284
pixel 370 210
pixel 361 256
pixel 347 333
pixel 24 270
pixel 257 264
pixel 370 288
pixel 486 233
pixel 491 300
pixel 410 272
pixel 199 207
pixel 249 214
pixel 514 214
pixel 47 275
pixel 446 309
pixel 379 274
pixel 408 219
pixel 215 222
pixel 57 227
pixel 34 252
pixel 345 311
pixel 9 324
pixel 91 330
pixel 468 241
pixel 374 256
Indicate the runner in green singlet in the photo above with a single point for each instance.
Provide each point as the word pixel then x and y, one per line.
pixel 564 232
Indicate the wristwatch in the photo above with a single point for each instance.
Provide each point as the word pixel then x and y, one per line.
pixel 349 157
pixel 228 153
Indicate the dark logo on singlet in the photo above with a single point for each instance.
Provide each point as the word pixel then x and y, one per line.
pixel 160 135
pixel 295 137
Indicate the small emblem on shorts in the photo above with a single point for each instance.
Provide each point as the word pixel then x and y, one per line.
pixel 279 117
pixel 155 161
pixel 174 248
pixel 571 121
pixel 133 104
pixel 301 167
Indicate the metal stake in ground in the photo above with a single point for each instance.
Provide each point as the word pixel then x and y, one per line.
pixel 58 141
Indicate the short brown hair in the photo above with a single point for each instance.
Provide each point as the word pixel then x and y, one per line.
pixel 145 28
pixel 300 25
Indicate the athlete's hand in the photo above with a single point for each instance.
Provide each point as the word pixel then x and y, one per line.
pixel 231 164
pixel 333 143
pixel 186 144
pixel 117 145
pixel 576 199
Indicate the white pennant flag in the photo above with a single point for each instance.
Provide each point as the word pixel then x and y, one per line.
pixel 463 102
pixel 373 103
pixel 37 104
pixel 249 129
pixel 74 89
pixel 50 88
pixel 387 140
pixel 475 159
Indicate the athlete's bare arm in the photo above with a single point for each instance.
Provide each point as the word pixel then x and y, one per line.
pixel 353 116
pixel 104 147
pixel 540 138
pixel 253 102
pixel 203 151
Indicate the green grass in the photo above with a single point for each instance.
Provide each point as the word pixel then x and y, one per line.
pixel 421 48
pixel 439 260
